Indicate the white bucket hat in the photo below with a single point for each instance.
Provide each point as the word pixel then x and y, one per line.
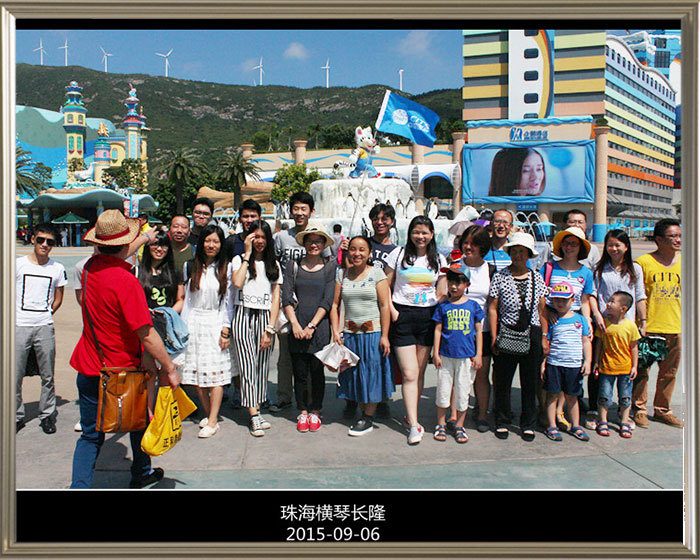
pixel 524 240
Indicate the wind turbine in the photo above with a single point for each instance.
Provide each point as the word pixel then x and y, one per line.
pixel 327 69
pixel 260 67
pixel 41 52
pixel 167 62
pixel 65 48
pixel 105 54
pixel 400 79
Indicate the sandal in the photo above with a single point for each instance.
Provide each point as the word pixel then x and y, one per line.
pixel 439 433
pixel 502 433
pixel 625 431
pixel 602 429
pixel 553 434
pixel 562 422
pixel 579 434
pixel 461 435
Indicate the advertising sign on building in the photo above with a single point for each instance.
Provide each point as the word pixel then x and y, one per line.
pixel 557 172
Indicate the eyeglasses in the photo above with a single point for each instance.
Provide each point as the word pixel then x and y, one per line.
pixel 316 242
pixel 41 240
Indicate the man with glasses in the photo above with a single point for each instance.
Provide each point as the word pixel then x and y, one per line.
pixel 501 228
pixel 202 213
pixel 577 218
pixel 662 283
pixel 39 294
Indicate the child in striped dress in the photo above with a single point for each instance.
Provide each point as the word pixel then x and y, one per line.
pixel 568 361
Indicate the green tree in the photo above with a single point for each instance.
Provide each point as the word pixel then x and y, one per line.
pixel 314 131
pixel 129 175
pixel 338 136
pixel 233 171
pixel 76 164
pixel 292 178
pixel 181 168
pixel 164 194
pixel 31 176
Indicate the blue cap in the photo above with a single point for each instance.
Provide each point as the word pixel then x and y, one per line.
pixel 458 267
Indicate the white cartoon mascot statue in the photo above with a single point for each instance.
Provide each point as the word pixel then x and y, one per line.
pixel 360 161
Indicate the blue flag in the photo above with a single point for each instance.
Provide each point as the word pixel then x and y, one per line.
pixel 406 118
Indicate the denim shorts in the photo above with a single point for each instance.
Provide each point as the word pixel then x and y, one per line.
pixel 606 384
pixel 567 380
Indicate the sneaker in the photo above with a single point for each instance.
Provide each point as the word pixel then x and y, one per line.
pixel 383 410
pixel 203 422
pixel 48 425
pixel 265 405
pixel 415 435
pixel 280 406
pixel 562 423
pixel 314 422
pixel 155 476
pixel 302 422
pixel 668 419
pixel 78 427
pixel 482 426
pixel 350 409
pixel 255 426
pixel 207 431
pixel 363 426
pixel 641 419
pixel 264 424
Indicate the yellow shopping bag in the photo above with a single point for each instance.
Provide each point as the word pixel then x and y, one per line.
pixel 165 429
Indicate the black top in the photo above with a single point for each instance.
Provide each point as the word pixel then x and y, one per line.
pixel 162 294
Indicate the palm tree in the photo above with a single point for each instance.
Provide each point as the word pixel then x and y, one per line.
pixel 181 167
pixel 31 176
pixel 234 171
pixel 314 131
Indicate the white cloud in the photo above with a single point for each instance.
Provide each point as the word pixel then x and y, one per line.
pixel 416 43
pixel 248 64
pixel 296 51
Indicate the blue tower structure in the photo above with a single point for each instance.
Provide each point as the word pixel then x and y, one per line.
pixel 132 125
pixel 74 123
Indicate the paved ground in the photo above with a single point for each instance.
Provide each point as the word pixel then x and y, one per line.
pixel 330 459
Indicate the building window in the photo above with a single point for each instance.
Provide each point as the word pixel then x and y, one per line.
pixel 531 98
pixel 660 43
pixel 531 32
pixel 69 118
pixel 531 75
pixel 115 155
pixel 662 59
pixel 80 119
pixel 531 53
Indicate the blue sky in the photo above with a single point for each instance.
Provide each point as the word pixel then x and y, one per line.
pixel 431 58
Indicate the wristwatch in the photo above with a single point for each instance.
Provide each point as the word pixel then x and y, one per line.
pixel 311 326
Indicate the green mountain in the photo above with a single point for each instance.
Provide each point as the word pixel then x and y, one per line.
pixel 215 117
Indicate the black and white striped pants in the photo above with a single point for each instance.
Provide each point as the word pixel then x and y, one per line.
pixel 248 328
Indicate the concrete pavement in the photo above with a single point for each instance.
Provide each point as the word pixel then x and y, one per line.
pixel 330 459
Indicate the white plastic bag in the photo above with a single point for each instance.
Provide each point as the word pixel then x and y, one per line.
pixel 337 357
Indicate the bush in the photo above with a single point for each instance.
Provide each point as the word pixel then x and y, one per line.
pixel 292 178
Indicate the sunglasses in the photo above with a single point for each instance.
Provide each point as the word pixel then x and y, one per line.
pixel 41 240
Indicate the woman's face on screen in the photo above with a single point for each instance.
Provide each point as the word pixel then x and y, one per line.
pixel 531 175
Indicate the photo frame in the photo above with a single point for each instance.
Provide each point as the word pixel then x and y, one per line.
pixel 420 13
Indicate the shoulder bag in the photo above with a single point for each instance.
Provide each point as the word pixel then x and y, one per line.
pixel 515 339
pixel 122 404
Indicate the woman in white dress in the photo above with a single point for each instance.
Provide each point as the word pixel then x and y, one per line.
pixel 208 312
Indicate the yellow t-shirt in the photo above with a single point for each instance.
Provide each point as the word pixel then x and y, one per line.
pixel 616 358
pixel 144 228
pixel 663 287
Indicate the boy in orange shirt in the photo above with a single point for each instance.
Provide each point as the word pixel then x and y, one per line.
pixel 615 361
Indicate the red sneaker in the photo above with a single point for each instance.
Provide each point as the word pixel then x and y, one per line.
pixel 303 423
pixel 314 422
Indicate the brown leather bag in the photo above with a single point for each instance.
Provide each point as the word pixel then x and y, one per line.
pixel 122 404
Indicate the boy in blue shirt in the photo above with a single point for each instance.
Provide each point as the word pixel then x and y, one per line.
pixel 457 349
pixel 569 359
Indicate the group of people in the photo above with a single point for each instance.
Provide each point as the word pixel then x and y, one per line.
pixel 395 307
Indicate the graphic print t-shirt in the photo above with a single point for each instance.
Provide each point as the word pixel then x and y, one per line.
pixel 256 292
pixel 458 331
pixel 415 284
pixel 35 288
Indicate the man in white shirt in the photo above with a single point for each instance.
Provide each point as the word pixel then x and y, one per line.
pixel 39 291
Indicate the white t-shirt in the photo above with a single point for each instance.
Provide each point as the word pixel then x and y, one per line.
pixel 256 292
pixel 36 288
pixel 415 284
pixel 479 284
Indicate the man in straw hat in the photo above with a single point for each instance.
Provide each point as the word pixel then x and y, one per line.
pixel 122 323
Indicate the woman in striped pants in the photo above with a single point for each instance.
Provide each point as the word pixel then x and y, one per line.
pixel 257 278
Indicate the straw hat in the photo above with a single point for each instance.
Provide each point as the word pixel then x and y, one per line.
pixel 522 239
pixel 576 232
pixel 113 229
pixel 316 230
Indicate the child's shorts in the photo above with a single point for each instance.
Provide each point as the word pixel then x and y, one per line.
pixel 457 372
pixel 606 385
pixel 560 379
